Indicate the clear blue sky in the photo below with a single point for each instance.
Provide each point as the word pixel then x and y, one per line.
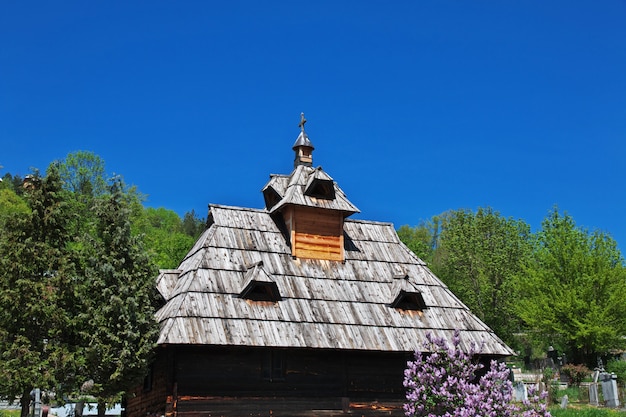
pixel 414 107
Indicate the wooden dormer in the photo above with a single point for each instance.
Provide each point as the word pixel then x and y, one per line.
pixel 311 205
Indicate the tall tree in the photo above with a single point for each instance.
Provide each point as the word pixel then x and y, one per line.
pixel 119 329
pixel 12 182
pixel 83 173
pixel 193 225
pixel 573 289
pixel 421 239
pixel 165 236
pixel 11 205
pixel 35 269
pixel 478 256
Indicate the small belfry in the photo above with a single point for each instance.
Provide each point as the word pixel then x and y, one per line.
pixel 311 205
pixel 303 146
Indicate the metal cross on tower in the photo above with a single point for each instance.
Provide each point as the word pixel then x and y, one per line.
pixel 302 121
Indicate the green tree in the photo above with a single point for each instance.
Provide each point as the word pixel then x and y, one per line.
pixel 12 182
pixel 165 236
pixel 419 239
pixel 11 205
pixel 573 289
pixel 83 173
pixel 118 298
pixel 35 270
pixel 193 225
pixel 478 256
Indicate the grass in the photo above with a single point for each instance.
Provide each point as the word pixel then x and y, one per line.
pixel 578 405
pixel 10 413
pixel 585 411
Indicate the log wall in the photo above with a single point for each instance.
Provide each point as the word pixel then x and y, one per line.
pixel 248 381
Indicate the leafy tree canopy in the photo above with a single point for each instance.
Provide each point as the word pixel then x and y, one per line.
pixel 573 289
pixel 83 173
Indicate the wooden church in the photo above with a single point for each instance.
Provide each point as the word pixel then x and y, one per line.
pixel 296 310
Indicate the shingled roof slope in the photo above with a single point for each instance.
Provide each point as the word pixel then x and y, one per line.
pixel 292 189
pixel 323 304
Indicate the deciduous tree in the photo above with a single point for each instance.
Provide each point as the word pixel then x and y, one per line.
pixel 573 289
pixel 478 256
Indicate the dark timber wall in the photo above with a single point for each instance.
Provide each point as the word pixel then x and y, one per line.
pixel 251 381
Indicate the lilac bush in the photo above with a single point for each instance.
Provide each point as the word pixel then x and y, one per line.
pixel 441 382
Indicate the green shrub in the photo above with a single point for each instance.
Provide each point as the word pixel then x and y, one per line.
pixel 575 373
pixel 618 367
pixel 552 385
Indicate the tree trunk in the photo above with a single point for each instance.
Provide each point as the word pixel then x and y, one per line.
pixel 102 407
pixel 78 408
pixel 25 403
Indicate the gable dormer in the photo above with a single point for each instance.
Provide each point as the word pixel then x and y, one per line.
pixel 311 205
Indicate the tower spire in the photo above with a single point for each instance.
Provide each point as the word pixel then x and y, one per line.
pixel 303 146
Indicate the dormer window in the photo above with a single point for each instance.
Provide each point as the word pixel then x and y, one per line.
pixel 271 197
pixel 258 285
pixel 261 291
pixel 320 188
pixel 409 301
pixel 320 185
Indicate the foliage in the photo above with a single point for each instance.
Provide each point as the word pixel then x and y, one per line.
pixel 575 373
pixel 574 394
pixel 586 412
pixel 11 205
pixel 193 225
pixel 83 174
pixel 166 236
pixel 9 413
pixel 13 183
pixel 573 289
pixel 479 254
pixel 36 269
pixel 618 367
pixel 118 328
pixel 550 379
pixel 440 382
pixel 77 296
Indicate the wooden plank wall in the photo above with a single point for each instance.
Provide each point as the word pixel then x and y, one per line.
pixel 152 400
pixel 316 234
pixel 233 381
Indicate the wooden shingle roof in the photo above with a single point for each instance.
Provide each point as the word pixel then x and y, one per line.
pixel 293 188
pixel 323 304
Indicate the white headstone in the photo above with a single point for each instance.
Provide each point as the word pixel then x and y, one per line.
pixel 520 391
pixel 609 390
pixel 593 394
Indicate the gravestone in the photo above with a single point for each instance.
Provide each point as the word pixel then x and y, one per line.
pixel 35 396
pixel 593 389
pixel 520 391
pixel 609 390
